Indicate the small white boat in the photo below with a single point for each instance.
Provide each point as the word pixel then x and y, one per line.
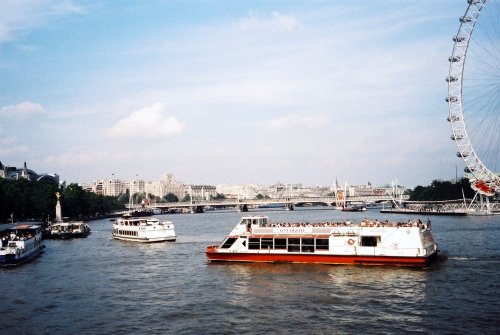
pixel 20 244
pixel 144 230
pixel 69 229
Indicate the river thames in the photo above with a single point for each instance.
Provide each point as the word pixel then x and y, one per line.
pixel 98 285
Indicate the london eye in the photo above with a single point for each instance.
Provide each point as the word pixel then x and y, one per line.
pixel 474 94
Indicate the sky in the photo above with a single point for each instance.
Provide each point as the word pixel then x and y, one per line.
pixel 229 92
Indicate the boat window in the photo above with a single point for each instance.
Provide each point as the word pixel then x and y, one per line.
pixel 307 245
pixel 229 242
pixel 293 244
pixel 322 244
pixel 369 241
pixel 244 221
pixel 254 243
pixel 280 243
pixel 266 243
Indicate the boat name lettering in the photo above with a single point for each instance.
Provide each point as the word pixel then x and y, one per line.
pixel 292 230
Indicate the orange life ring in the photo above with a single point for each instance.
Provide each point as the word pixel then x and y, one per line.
pixel 351 241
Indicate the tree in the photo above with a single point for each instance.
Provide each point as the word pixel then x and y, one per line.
pixel 74 201
pixel 186 198
pixel 124 198
pixel 44 199
pixel 170 197
pixel 37 200
pixel 137 197
pixel 442 190
pixel 3 199
pixel 219 196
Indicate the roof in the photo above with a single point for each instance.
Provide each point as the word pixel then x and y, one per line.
pixel 26 226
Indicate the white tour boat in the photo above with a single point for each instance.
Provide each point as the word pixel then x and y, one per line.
pixel 69 229
pixel 143 230
pixel 20 244
pixel 255 239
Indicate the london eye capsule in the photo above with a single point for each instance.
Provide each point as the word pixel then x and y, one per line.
pixel 451 79
pixel 465 19
pixel 454 59
pixel 458 38
pixel 451 99
pixel 453 118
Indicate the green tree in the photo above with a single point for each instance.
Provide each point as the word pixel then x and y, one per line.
pixel 44 199
pixel 74 201
pixel 442 190
pixel 170 197
pixel 186 198
pixel 37 200
pixel 124 198
pixel 137 197
pixel 219 196
pixel 3 199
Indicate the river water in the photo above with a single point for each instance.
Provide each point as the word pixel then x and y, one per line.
pixel 98 285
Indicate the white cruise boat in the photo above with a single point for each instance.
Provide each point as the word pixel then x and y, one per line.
pixel 70 229
pixel 144 230
pixel 20 244
pixel 372 242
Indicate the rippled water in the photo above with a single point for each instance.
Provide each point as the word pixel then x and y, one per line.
pixel 99 285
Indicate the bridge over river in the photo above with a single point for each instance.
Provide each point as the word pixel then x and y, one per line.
pixel 198 206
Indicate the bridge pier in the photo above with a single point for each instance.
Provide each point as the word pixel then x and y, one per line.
pixel 290 207
pixel 243 208
pixel 197 209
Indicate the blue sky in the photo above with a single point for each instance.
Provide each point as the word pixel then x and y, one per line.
pixel 221 92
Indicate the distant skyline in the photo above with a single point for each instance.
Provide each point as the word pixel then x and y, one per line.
pixel 224 92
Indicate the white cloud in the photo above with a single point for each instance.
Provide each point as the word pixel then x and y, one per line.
pixel 19 17
pixel 72 158
pixel 23 110
pixel 276 21
pixel 296 121
pixel 149 122
pixel 10 147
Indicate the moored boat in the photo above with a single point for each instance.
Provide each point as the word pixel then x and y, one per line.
pixel 143 212
pixel 353 209
pixel 255 239
pixel 70 229
pixel 424 212
pixel 144 230
pixel 20 244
